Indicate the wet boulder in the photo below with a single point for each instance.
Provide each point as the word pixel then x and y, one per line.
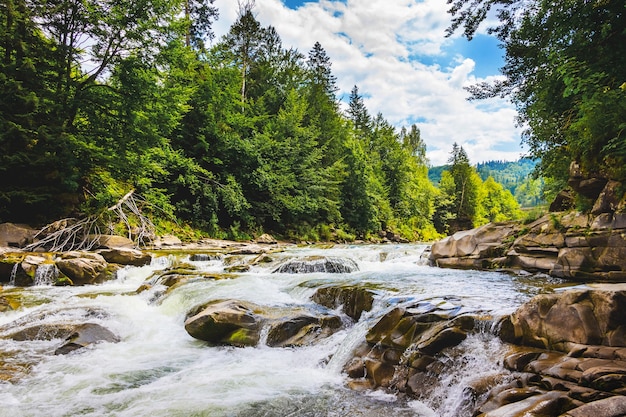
pixel 354 300
pixel 83 268
pixel 586 316
pixel 74 335
pixel 312 264
pixel 84 335
pixel 572 343
pixel 401 350
pixel 241 323
pixel 302 330
pixel 226 322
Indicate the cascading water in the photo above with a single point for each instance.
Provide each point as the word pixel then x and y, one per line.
pixel 13 274
pixel 45 274
pixel 157 369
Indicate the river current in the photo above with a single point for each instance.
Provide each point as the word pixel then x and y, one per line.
pixel 157 369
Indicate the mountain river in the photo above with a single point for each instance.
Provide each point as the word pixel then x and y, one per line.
pixel 157 369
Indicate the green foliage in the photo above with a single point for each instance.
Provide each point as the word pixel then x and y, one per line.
pixel 465 201
pixel 565 70
pixel 228 141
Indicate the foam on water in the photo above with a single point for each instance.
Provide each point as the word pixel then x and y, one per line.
pixel 157 369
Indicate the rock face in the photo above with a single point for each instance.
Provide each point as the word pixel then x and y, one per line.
pixel 565 245
pixel 317 264
pixel 555 321
pixel 568 356
pixel 401 350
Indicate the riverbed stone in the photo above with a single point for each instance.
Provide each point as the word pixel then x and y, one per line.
pixel 354 300
pixel 84 335
pixel 16 235
pixel 226 322
pixel 125 256
pixel 84 267
pixel 302 330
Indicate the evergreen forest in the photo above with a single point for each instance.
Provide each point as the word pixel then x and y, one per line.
pixel 233 137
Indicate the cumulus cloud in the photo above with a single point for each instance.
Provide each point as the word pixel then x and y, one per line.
pixel 387 48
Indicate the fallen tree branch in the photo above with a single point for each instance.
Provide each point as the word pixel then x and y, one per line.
pixel 84 234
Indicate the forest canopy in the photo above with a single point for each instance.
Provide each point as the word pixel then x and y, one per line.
pixel 102 99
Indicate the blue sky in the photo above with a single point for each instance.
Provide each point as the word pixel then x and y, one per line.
pixel 396 52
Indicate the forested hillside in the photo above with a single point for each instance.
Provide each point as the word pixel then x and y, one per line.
pixel 514 176
pixel 101 100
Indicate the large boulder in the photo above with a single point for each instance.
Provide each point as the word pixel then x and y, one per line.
pixel 84 267
pixel 241 323
pixel 568 358
pixel 84 335
pixel 401 351
pixel 125 256
pixel 226 322
pixel 584 316
pixel 16 235
pixel 479 242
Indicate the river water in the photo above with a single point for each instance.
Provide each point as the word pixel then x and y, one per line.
pixel 157 369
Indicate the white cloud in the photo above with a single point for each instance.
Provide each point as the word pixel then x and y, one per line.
pixel 373 44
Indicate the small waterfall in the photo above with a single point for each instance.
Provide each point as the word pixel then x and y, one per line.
pixel 13 274
pixel 470 371
pixel 311 264
pixel 46 274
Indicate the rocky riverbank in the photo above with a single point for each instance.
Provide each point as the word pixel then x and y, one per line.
pixel 567 245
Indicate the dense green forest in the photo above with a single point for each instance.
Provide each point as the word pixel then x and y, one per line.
pixel 105 99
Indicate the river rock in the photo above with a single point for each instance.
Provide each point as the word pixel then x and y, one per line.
pixel 16 235
pixel 240 323
pixel 84 335
pixel 400 351
pixel 353 300
pixel 302 330
pixel 125 256
pixel 112 241
pixel 84 267
pixel 226 322
pixel 550 321
pixel 266 239
pixel 312 264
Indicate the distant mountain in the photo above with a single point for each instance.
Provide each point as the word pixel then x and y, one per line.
pixel 514 176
